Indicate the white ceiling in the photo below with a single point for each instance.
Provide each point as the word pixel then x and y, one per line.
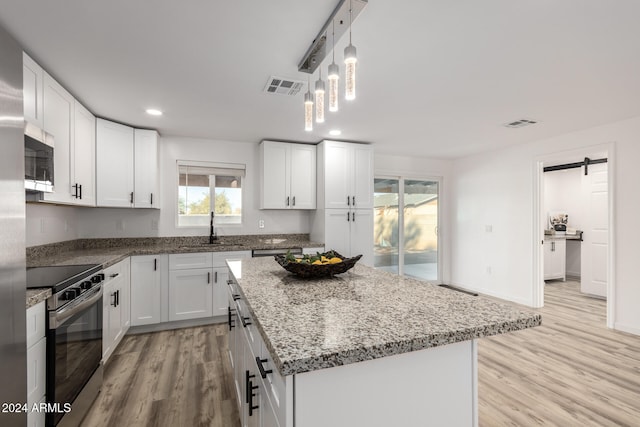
pixel 435 78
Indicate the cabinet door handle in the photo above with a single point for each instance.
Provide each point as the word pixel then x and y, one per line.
pixel 75 193
pixel 155 264
pixel 236 297
pixel 287 200
pixel 244 320
pixel 118 297
pixel 294 200
pixel 80 191
pixel 553 246
pixel 353 200
pixel 229 282
pixel 114 275
pixel 230 321
pixel 113 302
pixel 353 216
pixel 215 277
pixel 151 197
pixel 263 372
pixel 251 396
pixel 348 217
pixel 208 277
pixel 348 202
pixel 247 385
pixel 131 197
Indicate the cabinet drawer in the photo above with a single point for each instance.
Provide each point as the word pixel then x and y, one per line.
pixel 36 323
pixel 219 258
pixel 195 260
pixel 36 369
pixel 119 269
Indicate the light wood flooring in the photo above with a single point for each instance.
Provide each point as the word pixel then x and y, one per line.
pixel 571 371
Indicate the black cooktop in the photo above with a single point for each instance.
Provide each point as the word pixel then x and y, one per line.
pixel 59 277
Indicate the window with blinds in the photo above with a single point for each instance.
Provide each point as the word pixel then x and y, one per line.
pixel 205 187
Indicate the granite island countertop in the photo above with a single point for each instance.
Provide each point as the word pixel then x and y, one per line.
pixel 361 315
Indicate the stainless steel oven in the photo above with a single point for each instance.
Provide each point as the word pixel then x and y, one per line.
pixel 74 340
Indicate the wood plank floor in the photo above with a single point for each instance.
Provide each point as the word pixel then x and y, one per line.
pixel 571 371
pixel 171 378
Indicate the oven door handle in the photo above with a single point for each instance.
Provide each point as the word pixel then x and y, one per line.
pixel 57 318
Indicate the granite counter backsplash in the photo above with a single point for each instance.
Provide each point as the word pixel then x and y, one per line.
pixel 110 251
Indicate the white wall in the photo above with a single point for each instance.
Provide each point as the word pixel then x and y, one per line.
pixel 49 223
pixel 421 167
pixel 497 189
pixel 563 192
pixel 106 222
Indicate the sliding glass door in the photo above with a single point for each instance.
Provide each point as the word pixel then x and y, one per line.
pixel 406 227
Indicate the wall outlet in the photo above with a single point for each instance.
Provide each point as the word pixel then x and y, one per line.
pixel 488 228
pixel 261 223
pixel 119 225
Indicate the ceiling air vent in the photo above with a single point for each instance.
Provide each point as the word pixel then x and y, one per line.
pixel 283 86
pixel 520 123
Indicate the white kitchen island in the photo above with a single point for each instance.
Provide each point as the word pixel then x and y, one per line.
pixel 365 348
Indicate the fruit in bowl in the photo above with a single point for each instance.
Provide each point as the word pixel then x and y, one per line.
pixel 319 265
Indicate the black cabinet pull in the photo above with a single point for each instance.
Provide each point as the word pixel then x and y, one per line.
pixel 155 264
pixel 263 372
pixel 132 197
pixel 151 198
pixel 287 200
pixel 353 200
pixel 75 194
pixel 230 321
pixel 236 297
pixel 247 385
pixel 348 216
pixel 229 282
pixel 80 191
pixel 118 297
pixel 215 277
pixel 348 203
pixel 353 216
pixel 114 275
pixel 294 200
pixel 251 396
pixel 113 302
pixel 208 277
pixel 244 320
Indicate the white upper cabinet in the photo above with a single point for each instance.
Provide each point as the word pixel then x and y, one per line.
pixel 58 121
pixel 114 166
pixel 127 166
pixel 83 176
pixel 145 169
pixel 347 174
pixel 288 173
pixel 33 80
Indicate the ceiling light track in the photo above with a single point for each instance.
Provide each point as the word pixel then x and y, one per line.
pixel 318 50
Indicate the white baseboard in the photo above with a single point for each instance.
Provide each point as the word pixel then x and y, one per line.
pixel 626 328
pixel 166 326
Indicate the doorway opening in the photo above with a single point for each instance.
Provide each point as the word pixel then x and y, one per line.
pixel 573 219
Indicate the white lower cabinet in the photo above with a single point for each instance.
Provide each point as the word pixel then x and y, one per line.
pixel 116 306
pixel 190 294
pixel 148 275
pixel 555 259
pixel 36 361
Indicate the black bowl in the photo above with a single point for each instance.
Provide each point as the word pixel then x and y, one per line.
pixel 310 271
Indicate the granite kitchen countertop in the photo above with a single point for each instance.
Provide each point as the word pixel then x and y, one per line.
pixel 34 296
pixel 361 315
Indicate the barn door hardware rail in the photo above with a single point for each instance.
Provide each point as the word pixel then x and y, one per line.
pixel 586 162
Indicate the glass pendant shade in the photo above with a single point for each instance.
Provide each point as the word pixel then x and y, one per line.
pixel 319 101
pixel 333 77
pixel 350 60
pixel 308 111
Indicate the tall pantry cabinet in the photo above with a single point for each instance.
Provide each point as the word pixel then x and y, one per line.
pixel 343 219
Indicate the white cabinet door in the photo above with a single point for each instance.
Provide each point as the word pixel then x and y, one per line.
pixel 116 310
pixel 362 181
pixel 555 258
pixel 337 174
pixel 146 292
pixel 275 175
pixel 361 234
pixel 114 164
pixel 146 169
pixel 83 177
pixel 36 369
pixel 303 176
pixel 58 109
pixel 337 231
pixel 32 91
pixel 190 294
pixel 124 297
pixel 220 300
pixel 548 259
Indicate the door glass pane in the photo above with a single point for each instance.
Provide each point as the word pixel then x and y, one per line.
pixel 421 229
pixel 385 224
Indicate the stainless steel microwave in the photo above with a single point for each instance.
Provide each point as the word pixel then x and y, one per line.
pixel 38 160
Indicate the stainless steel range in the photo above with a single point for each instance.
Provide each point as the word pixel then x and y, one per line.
pixel 74 339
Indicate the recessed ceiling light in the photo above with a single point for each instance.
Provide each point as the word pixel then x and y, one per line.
pixel 154 112
pixel 335 132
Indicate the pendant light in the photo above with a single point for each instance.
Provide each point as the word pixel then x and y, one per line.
pixel 308 108
pixel 350 60
pixel 334 74
pixel 320 98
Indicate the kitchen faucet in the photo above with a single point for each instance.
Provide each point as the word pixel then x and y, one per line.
pixel 212 232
